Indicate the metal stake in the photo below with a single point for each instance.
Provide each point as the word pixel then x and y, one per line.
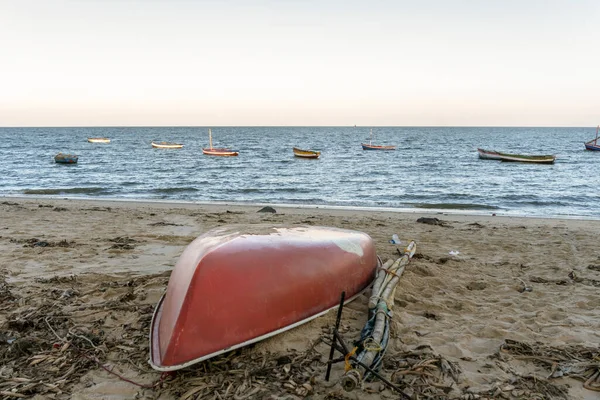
pixel 334 338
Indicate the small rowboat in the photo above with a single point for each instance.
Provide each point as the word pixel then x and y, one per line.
pixel 233 287
pixel 371 146
pixel 99 140
pixel 593 144
pixel 543 159
pixel 306 153
pixel 61 158
pixel 215 151
pixel 375 147
pixel 166 145
pixel 506 157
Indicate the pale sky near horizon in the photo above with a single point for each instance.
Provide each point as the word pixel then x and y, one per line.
pixel 301 62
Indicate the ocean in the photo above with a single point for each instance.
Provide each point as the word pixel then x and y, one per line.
pixel 433 168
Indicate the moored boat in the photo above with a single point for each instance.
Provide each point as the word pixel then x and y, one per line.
pixel 376 147
pixel 216 151
pixel 533 159
pixel 507 157
pixel 98 140
pixel 306 153
pixel 232 287
pixel 372 146
pixel 166 145
pixel 220 152
pixel 62 158
pixel 593 144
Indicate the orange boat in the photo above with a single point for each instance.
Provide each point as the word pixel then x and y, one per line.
pixel 232 287
pixel 214 151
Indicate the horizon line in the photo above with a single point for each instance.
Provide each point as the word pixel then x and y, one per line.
pixel 293 126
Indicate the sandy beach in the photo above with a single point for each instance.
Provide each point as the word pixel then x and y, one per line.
pixel 513 315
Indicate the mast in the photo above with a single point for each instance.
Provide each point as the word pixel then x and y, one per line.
pixel 596 140
pixel 210 138
pixel 371 137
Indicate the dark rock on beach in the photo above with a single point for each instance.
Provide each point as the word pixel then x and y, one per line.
pixel 431 221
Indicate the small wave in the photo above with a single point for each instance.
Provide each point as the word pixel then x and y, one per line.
pixel 174 190
pixel 455 206
pixel 543 203
pixel 79 190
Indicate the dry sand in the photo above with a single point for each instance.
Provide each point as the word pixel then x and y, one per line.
pixel 79 280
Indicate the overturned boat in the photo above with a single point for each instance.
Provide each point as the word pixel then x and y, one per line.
pixel 232 287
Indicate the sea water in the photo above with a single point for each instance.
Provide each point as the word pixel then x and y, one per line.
pixel 433 168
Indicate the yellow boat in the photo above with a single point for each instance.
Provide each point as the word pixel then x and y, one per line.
pixel 306 153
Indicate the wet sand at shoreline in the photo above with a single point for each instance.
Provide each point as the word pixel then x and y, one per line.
pixel 79 280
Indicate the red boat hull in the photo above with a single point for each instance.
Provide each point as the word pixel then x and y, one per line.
pixel 231 288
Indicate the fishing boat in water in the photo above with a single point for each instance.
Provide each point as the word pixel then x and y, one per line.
pixel 306 153
pixel 372 146
pixel 215 151
pixel 593 144
pixel 98 140
pixel 61 158
pixel 235 286
pixel 524 158
pixel 166 145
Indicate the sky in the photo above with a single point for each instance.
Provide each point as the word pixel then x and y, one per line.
pixel 299 63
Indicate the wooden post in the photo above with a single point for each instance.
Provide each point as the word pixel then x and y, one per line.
pixel 335 334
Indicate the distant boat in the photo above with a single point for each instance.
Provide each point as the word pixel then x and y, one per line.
pixel 166 145
pixel 593 144
pixel 506 157
pixel 61 158
pixel 534 159
pixel 306 153
pixel 371 146
pixel 214 151
pixel 99 140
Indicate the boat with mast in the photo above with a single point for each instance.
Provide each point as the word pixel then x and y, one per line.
pixel 215 151
pixel 593 144
pixel 372 146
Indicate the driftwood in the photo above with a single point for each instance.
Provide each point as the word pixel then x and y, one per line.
pixel 371 346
